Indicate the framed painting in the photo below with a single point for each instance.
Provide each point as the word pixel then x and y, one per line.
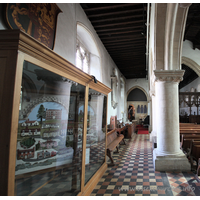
pixel 36 19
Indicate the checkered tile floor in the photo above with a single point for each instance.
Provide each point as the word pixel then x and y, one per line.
pixel 134 175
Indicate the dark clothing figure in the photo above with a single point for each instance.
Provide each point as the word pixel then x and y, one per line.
pixel 131 116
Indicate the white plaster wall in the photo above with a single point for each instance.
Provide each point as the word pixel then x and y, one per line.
pixel 141 82
pixel 194 84
pixel 189 52
pixel 65 40
pixel 107 64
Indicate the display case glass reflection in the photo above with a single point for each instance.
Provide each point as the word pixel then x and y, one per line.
pixel 96 133
pixel 50 131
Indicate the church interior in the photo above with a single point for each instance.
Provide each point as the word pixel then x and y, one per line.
pixel 100 99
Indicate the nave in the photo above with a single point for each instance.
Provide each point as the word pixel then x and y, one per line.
pixel 134 175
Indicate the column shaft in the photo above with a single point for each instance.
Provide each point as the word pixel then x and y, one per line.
pixel 168 140
pixel 167 155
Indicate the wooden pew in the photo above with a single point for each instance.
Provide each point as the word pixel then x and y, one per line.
pixel 197 176
pixel 192 154
pixel 190 143
pixel 121 130
pixel 113 140
pixel 190 131
pixel 186 141
pixel 189 128
pixel 188 124
pixel 195 156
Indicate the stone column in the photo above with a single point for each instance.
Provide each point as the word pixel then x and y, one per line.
pixel 150 114
pixel 168 155
pixel 153 116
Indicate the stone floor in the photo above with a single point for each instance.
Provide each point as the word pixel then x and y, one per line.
pixel 134 175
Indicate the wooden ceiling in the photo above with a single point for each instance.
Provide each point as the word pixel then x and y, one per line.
pixel 121 28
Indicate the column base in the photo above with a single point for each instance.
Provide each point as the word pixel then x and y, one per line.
pixel 152 135
pixel 150 128
pixel 170 162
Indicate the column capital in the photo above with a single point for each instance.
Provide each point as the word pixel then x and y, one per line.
pixel 169 75
pixel 151 93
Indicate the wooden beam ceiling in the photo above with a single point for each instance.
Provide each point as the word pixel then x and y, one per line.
pixel 119 27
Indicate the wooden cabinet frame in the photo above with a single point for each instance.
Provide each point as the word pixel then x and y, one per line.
pixel 16 47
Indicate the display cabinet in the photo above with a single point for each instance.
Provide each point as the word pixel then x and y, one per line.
pixel 53 121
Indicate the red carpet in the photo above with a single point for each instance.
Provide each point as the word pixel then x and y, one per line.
pixel 141 130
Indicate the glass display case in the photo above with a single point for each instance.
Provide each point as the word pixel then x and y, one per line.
pixel 54 135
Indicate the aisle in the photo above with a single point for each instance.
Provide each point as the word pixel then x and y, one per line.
pixel 142 129
pixel 134 175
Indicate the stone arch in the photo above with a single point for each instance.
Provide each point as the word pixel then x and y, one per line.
pixel 85 36
pixel 191 64
pixel 134 87
pixel 138 115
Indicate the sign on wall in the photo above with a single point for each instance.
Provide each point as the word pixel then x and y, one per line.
pixel 36 19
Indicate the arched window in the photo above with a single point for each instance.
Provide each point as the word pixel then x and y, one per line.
pixel 82 57
pixel 138 109
pixel 88 56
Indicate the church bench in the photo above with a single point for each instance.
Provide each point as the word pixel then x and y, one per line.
pixel 197 175
pixel 187 127
pixel 121 130
pixel 195 157
pixel 186 141
pixel 113 140
pixel 190 131
pixel 194 151
pixel 188 124
pixel 195 154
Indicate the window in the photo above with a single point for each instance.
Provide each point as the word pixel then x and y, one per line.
pixel 142 109
pixel 138 109
pixel 82 58
pixel 145 109
pixel 86 41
